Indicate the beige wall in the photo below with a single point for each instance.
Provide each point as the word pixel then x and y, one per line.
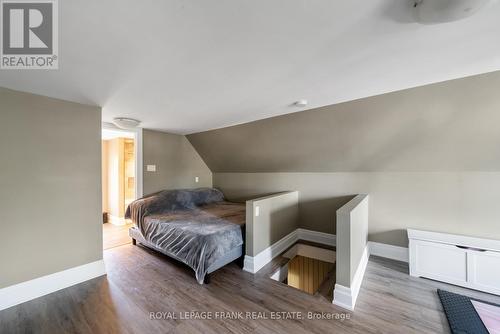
pixel 427 156
pixel 451 126
pixel 463 203
pixel 50 186
pixel 277 217
pixel 177 163
pixel 352 238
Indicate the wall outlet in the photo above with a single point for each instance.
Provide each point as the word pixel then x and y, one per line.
pixel 151 168
pixel 257 211
pixel 197 179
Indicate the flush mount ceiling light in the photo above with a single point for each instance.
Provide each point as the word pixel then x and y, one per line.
pixel 439 11
pixel 126 123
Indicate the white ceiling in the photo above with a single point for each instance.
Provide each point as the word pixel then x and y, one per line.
pixel 186 66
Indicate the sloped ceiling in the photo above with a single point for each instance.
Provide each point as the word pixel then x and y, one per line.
pixel 185 66
pixel 450 126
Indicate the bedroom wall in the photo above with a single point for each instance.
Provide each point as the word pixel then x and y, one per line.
pixel 177 163
pixel 278 217
pixel 352 238
pixel 429 157
pixel 50 186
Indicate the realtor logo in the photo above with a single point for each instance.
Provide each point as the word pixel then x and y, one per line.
pixel 29 36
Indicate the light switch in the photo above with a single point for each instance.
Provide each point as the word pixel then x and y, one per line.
pixel 257 211
pixel 151 168
pixel 197 179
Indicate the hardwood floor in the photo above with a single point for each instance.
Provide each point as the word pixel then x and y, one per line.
pixel 115 235
pixel 140 281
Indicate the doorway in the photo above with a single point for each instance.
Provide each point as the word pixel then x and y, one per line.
pixel 121 182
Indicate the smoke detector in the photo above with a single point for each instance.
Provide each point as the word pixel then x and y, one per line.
pixel 126 123
pixel 301 103
pixel 439 11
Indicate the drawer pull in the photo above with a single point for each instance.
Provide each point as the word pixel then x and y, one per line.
pixel 471 248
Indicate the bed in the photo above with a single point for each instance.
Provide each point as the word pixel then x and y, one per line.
pixel 197 227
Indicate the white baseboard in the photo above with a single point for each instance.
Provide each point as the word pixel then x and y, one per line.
pixel 254 264
pixel 388 251
pixel 318 237
pixel 346 297
pixel 248 264
pixel 342 296
pixel 38 287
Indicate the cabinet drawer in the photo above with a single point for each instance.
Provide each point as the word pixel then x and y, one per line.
pixel 484 271
pixel 441 262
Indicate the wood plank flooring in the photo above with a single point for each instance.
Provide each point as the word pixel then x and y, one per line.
pixel 115 235
pixel 140 281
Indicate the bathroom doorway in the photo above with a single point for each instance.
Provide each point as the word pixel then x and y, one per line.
pixel 119 183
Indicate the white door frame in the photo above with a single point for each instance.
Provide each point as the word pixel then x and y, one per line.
pixel 139 190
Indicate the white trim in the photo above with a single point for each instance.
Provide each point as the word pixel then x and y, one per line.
pixel 346 297
pixel 360 273
pixel 254 264
pixel 318 237
pixel 139 157
pixel 248 264
pixel 281 274
pixel 454 239
pixel 342 297
pixel 38 287
pixel 374 248
pixel 313 252
pixel 388 251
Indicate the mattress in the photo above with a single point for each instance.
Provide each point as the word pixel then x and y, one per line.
pixel 199 234
pixel 235 254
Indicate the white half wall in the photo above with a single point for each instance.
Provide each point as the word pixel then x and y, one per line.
pixel 269 219
pixel 343 296
pixel 352 250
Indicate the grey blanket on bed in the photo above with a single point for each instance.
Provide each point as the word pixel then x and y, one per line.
pixel 189 225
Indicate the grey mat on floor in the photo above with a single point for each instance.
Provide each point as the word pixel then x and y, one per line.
pixel 461 314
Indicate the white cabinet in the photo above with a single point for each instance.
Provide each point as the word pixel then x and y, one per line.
pixel 484 271
pixel 460 260
pixel 442 262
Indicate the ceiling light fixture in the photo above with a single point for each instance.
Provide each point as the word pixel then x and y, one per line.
pixel 439 11
pixel 126 123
